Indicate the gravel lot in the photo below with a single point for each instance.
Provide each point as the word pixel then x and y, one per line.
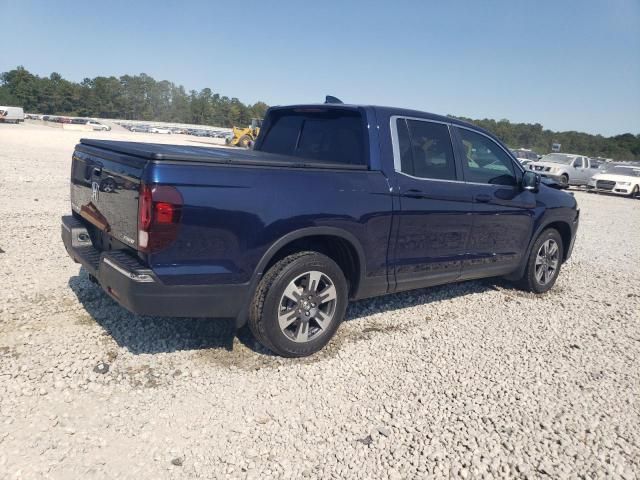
pixel 471 380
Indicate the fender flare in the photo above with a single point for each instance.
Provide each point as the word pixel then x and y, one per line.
pixel 518 272
pixel 275 247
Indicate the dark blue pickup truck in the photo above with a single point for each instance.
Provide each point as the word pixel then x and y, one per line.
pixel 334 202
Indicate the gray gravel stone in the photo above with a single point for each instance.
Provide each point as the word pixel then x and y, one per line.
pixel 475 379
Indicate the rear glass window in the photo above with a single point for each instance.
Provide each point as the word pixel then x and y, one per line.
pixel 335 136
pixel 425 149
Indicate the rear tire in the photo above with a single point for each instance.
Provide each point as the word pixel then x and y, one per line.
pixel 543 264
pixel 299 304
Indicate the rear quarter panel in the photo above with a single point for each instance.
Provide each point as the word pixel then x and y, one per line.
pixel 232 215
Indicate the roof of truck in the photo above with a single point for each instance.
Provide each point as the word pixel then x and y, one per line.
pixel 385 111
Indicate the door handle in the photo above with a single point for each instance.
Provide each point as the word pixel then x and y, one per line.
pixel 414 193
pixel 483 198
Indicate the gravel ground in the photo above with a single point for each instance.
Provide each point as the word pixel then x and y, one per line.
pixel 470 380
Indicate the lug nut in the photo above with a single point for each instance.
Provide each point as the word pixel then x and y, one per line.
pixel 306 313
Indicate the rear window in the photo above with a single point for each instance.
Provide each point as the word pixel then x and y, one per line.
pixel 332 135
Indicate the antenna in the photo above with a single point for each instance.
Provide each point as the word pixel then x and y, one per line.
pixel 331 99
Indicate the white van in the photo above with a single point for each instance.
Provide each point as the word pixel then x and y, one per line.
pixel 11 114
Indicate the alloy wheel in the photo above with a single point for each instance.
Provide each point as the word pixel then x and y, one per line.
pixel 547 261
pixel 307 306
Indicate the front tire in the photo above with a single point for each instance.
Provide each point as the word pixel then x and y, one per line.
pixel 244 141
pixel 543 264
pixel 299 304
pixel 564 180
pixel 634 192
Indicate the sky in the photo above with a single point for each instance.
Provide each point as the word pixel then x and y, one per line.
pixel 569 65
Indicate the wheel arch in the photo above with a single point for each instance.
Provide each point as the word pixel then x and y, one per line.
pixel 340 245
pixel 564 229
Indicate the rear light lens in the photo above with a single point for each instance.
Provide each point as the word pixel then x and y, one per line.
pixel 165 213
pixel 145 206
pixel 159 215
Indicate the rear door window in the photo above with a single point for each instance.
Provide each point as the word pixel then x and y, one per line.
pixel 331 135
pixel 425 149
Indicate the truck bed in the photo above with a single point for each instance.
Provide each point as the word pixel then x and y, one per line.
pixel 187 153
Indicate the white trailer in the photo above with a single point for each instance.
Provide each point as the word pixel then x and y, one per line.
pixel 11 114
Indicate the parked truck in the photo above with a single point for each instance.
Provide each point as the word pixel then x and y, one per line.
pixel 566 168
pixel 334 203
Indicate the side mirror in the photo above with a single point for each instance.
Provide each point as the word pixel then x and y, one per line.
pixel 530 181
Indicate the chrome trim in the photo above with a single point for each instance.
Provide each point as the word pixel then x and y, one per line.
pixel 432 179
pixel 144 278
pixel 397 165
pixel 65 227
pixel 394 143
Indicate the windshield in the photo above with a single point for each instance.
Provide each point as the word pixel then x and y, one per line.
pixel 557 158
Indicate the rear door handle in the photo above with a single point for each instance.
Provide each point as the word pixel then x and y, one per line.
pixel 483 198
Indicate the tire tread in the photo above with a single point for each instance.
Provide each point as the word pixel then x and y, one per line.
pixel 256 317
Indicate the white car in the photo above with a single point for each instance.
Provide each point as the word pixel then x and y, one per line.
pixel 159 130
pixel 98 126
pixel 621 180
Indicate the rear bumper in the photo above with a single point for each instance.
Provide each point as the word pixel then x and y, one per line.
pixel 136 287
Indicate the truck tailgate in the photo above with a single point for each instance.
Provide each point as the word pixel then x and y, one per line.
pixel 105 189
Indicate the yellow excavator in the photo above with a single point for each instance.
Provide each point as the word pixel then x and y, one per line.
pixel 243 137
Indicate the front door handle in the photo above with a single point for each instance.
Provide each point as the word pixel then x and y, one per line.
pixel 414 193
pixel 483 198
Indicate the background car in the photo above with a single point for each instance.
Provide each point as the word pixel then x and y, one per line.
pixel 565 168
pixel 139 128
pixel 98 126
pixel 525 156
pixel 159 130
pixel 621 180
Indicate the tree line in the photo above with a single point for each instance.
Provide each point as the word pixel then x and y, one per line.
pixel 130 97
pixel 535 137
pixel 140 97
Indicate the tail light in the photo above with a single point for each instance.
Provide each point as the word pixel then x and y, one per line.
pixel 159 215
